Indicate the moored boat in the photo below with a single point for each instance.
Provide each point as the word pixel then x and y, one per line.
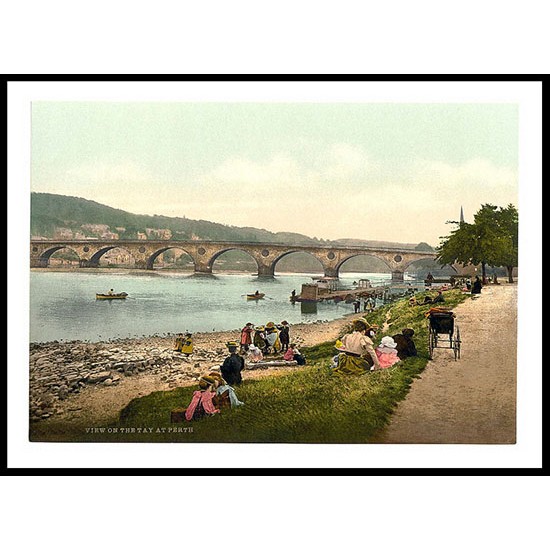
pixel 118 296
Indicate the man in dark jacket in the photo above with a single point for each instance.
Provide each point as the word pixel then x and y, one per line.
pixel 232 366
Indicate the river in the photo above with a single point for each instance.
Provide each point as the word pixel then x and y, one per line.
pixel 63 305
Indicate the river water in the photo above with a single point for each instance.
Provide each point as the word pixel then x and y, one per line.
pixel 63 305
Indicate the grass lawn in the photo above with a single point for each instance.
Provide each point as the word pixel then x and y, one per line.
pixel 309 405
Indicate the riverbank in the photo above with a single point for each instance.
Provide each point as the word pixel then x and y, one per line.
pixel 120 371
pixel 89 383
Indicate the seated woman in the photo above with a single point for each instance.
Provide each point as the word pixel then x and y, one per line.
pixel 225 394
pixel 201 403
pixel 386 352
pixel 293 354
pixel 187 344
pixel 405 345
pixel 357 352
pixel 178 344
pixel 254 354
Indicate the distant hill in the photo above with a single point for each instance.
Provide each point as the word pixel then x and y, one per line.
pixel 51 213
pixel 64 217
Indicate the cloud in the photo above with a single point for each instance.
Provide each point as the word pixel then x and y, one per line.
pixel 336 193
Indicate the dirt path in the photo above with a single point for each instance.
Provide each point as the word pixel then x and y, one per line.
pixel 472 400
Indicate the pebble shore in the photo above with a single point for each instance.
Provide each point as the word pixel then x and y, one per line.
pixel 60 371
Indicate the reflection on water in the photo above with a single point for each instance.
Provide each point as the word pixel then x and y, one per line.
pixel 63 304
pixel 308 307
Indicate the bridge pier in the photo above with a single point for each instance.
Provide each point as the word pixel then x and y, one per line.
pixel 203 268
pixel 331 272
pixel 87 263
pixel 266 271
pixel 397 276
pixel 39 262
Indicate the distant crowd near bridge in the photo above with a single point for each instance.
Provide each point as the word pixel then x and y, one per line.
pixel 204 254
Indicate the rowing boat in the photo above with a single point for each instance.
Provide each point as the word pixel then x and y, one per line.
pixel 258 296
pixel 119 296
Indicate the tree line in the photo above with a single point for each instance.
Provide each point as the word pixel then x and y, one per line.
pixel 491 240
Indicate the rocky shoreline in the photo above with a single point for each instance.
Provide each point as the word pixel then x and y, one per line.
pixel 61 371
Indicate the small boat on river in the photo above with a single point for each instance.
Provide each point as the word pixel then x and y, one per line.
pixel 256 296
pixel 118 296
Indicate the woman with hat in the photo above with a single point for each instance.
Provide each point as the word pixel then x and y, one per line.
pixel 254 354
pixel 232 365
pixel 357 354
pixel 387 352
pixel 405 344
pixel 284 335
pixel 272 337
pixel 187 345
pixel 246 336
pixel 201 402
pixel 259 338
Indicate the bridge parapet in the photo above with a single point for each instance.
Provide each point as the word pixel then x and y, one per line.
pixel 204 253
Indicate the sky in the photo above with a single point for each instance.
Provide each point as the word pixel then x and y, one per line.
pixel 377 171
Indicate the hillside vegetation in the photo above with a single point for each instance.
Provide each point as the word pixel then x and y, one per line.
pixel 59 216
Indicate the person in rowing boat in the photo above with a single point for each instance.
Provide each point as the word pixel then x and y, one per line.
pixel 111 292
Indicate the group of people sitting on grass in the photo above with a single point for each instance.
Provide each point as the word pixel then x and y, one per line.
pixel 216 389
pixel 357 354
pixel 438 299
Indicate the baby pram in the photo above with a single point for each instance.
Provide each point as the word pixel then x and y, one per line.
pixel 443 331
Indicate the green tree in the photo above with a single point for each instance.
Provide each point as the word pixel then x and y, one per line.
pixel 508 223
pixel 490 240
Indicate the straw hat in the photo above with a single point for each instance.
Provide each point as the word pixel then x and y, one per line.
pixel 271 324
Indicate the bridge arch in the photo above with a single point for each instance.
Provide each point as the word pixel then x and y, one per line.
pixel 243 251
pixel 151 259
pixel 46 255
pixel 359 254
pixel 94 260
pixel 303 253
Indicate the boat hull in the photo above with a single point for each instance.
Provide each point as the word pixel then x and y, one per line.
pixel 255 296
pixel 121 296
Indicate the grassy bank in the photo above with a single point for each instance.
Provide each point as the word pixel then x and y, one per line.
pixel 309 405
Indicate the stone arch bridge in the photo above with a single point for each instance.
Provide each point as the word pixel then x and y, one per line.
pixel 204 253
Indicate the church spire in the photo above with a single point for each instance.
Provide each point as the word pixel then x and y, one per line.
pixel 461 215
